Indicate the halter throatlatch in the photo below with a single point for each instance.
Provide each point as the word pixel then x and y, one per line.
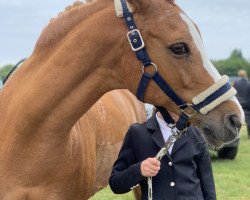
pixel 202 103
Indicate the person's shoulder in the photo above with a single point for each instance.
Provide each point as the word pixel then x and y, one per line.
pixel 194 133
pixel 138 130
pixel 193 129
pixel 151 123
pixel 196 139
pixel 138 125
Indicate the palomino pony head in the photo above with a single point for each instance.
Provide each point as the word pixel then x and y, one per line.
pixel 89 45
pixel 174 44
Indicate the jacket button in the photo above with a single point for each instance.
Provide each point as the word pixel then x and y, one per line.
pixel 170 164
pixel 172 184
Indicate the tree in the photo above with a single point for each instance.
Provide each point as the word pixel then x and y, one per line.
pixel 233 64
pixel 4 71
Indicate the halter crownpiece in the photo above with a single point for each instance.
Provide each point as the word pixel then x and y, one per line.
pixel 119 8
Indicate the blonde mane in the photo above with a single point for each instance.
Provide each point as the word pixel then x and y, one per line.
pixel 66 20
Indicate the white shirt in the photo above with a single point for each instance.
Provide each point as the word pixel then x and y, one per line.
pixel 166 131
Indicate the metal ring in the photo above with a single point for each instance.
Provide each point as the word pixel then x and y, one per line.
pixel 154 65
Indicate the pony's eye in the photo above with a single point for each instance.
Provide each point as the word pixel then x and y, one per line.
pixel 179 49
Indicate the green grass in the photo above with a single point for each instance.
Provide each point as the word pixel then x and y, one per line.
pixel 232 177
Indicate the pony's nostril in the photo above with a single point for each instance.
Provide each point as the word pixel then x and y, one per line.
pixel 234 122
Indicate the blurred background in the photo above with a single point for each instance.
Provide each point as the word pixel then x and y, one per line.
pixel 225 27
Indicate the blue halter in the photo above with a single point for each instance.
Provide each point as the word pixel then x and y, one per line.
pixel 138 46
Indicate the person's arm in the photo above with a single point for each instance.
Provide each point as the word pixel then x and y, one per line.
pixel 126 172
pixel 205 174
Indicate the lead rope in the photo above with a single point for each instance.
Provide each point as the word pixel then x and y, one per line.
pixel 171 140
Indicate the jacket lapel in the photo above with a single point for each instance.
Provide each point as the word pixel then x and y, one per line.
pixel 157 136
pixel 179 143
pixel 159 140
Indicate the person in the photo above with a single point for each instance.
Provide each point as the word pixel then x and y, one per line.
pixel 184 173
pixel 242 87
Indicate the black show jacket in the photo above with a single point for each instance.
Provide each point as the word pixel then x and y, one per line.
pixel 243 94
pixel 186 174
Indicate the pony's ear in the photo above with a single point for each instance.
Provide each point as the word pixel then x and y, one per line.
pixel 171 1
pixel 138 5
pixel 134 6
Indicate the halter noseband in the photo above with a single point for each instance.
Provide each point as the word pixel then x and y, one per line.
pixel 202 103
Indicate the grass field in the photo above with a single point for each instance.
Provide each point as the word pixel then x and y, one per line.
pixel 232 177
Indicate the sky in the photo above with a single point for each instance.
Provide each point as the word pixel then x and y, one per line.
pixel 224 24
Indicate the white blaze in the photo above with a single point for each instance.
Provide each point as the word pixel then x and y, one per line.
pixel 199 44
pixel 206 61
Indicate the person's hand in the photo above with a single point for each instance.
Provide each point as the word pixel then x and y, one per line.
pixel 150 167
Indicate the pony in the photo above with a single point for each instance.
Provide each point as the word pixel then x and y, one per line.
pixel 81 55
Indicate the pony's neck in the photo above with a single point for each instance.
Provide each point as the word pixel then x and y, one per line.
pixel 59 83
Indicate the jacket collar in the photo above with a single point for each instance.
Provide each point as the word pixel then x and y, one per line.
pixel 152 123
pixel 179 143
pixel 158 138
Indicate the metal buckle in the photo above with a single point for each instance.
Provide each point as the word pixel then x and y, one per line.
pixel 189 111
pixel 152 74
pixel 140 38
pixel 177 134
